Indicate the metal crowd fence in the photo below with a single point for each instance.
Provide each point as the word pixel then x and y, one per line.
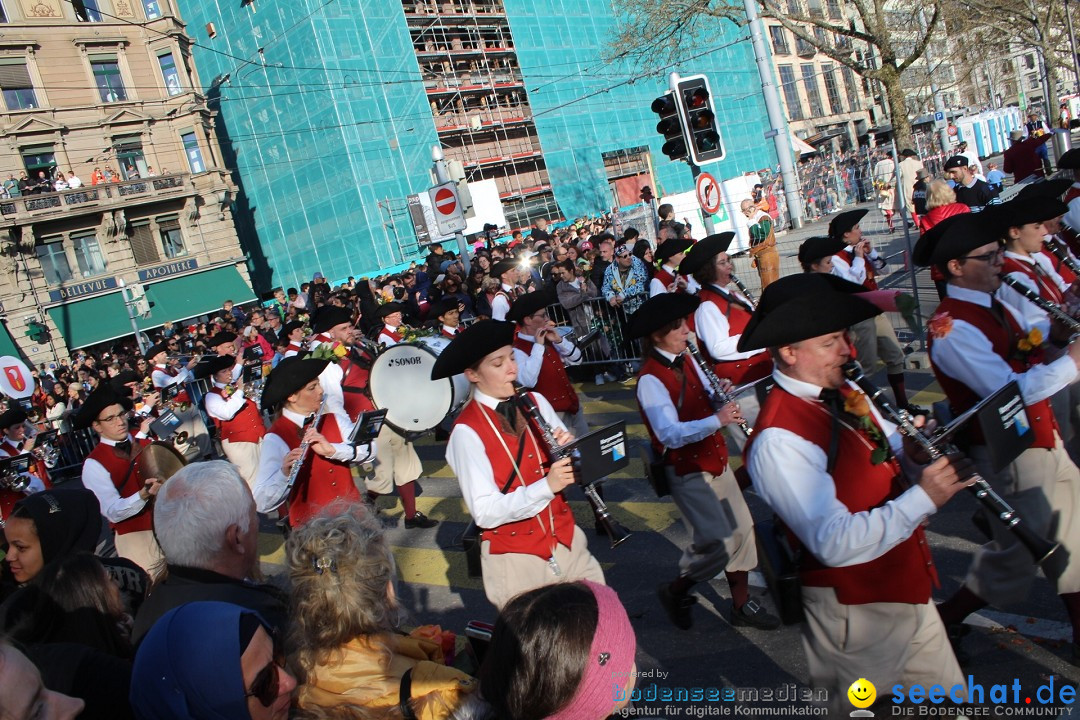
pixel 613 346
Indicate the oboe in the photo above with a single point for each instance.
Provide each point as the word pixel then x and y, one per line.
pixel 1054 310
pixel 717 395
pixel 556 452
pixel 1061 252
pixel 745 291
pixel 1039 547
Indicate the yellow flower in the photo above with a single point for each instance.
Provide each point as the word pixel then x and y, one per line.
pixel 1035 337
pixel 340 350
pixel 856 404
pixel 1024 345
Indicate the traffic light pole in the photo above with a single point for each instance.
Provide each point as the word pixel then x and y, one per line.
pixel 777 125
pixel 129 303
pixel 710 223
pixel 442 175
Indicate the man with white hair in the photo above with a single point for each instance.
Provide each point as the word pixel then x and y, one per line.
pixel 206 525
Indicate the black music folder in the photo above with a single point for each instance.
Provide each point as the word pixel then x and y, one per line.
pixel 1005 425
pixel 603 452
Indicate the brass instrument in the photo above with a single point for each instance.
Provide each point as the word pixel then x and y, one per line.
pixel 1040 548
pixel 47 451
pixel 1061 252
pixel 15 473
pixel 744 290
pixel 614 530
pixel 1055 311
pixel 717 396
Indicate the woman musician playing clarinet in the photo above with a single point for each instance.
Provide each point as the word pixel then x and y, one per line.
pixel 977 344
pixel 677 404
pixel 528 535
pixel 305 455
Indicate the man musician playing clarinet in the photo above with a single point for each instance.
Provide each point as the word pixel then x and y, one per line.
pixel 304 431
pixel 978 344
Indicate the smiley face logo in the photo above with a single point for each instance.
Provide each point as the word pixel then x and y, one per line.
pixel 862 693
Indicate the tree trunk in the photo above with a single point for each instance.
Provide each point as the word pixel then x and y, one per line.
pixel 897 106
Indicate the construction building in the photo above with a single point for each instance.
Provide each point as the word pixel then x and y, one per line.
pixel 106 92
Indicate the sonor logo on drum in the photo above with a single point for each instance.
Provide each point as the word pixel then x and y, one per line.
pixel 397 362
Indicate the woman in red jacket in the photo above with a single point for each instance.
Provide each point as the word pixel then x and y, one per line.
pixel 940 204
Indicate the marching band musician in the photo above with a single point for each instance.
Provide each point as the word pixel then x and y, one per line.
pixel 669 254
pixel 122 492
pixel 1055 227
pixel 294 333
pixel 448 313
pixel 528 535
pixel 507 272
pixel 720 319
pixel 684 429
pixel 978 344
pixel 333 328
pixel 1070 163
pixel 238 420
pixel 542 356
pixel 324 476
pixel 165 375
pixel 13 428
pixel 874 338
pixel 226 343
pixel 397 464
pixel 828 464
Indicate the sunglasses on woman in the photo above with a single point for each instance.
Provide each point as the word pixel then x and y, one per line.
pixel 265 686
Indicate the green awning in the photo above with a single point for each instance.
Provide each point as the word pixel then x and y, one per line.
pixel 87 322
pixel 8 345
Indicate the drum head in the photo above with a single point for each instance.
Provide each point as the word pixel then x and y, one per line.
pixel 401 384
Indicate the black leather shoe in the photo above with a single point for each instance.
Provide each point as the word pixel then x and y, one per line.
pixel 917 410
pixel 420 520
pixel 677 607
pixel 753 615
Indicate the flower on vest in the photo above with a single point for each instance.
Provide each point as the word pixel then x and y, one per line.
pixel 940 325
pixel 1030 346
pixel 332 352
pixel 856 404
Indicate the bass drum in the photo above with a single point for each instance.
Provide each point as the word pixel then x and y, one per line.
pixel 401 384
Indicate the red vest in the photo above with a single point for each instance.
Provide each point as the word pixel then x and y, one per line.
pixel 8 498
pixel 354 384
pixel 451 336
pixel 118 468
pixel 181 396
pixel 709 454
pixel 393 335
pixel 870 283
pixel 905 574
pixel 1048 289
pixel 532 536
pixel 1059 265
pixel 664 276
pixel 246 426
pixel 739 371
pixel 321 480
pixel 1003 338
pixel 553 382
pixel 295 347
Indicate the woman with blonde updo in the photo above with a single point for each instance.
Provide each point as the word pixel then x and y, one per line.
pixel 351 661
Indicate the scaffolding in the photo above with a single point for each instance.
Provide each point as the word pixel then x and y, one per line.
pixel 478 98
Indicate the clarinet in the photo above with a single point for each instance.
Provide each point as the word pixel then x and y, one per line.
pixel 614 530
pixel 745 291
pixel 1054 310
pixel 1056 246
pixel 1040 548
pixel 311 420
pixel 718 397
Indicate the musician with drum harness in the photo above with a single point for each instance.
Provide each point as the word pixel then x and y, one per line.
pixel 13 427
pixel 977 344
pixel 684 412
pixel 528 537
pixel 237 418
pixel 305 458
pixel 122 490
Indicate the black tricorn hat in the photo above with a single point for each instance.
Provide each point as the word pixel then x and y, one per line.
pixel 1048 188
pixel 330 316
pixel 220 339
pixel 528 304
pixel 703 251
pixel 670 248
pixel 443 305
pixel 1022 211
pixel 843 222
pixel 210 367
pixel 799 307
pixel 155 350
pixel 1070 160
pixel 288 328
pixel 95 402
pixel 501 267
pixel 12 416
pixel 816 248
pixel 470 347
pixel 290 375
pixel 388 309
pixel 953 237
pixel 659 310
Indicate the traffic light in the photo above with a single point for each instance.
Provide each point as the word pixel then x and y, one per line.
pixel 699 119
pixel 670 126
pixel 37 331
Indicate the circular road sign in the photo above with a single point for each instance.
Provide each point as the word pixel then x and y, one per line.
pixel 708 193
pixel 445 201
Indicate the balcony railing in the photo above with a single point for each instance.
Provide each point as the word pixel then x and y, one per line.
pixel 91 196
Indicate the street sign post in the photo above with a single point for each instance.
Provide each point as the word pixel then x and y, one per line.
pixel 708 193
pixel 449 215
pixel 939 119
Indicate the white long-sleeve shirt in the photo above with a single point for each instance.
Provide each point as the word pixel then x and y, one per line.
pixel 468 458
pixel 222 408
pixel 714 330
pixel 501 304
pixel 856 271
pixel 529 363
pixel 656 403
pixel 98 480
pixel 966 355
pixel 1033 315
pixel 271 482
pixel 657 286
pixel 162 378
pixel 330 380
pixel 790 473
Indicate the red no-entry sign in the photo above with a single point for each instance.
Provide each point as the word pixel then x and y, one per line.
pixel 445 201
pixel 449 216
